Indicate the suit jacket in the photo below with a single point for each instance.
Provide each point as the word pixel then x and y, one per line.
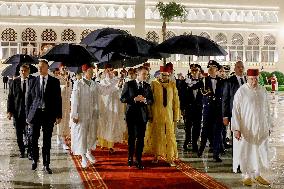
pixel 187 98
pixel 230 88
pixel 52 99
pixel 16 97
pixel 136 110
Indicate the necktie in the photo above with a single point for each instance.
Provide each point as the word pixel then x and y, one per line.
pixel 242 81
pixel 24 87
pixel 140 88
pixel 165 97
pixel 42 92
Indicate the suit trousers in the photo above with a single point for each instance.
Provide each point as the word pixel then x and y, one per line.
pixel 136 134
pixel 20 126
pixel 40 121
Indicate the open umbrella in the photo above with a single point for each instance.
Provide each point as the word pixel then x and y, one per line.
pixel 93 36
pixel 191 45
pixel 70 54
pixel 13 70
pixel 21 59
pixel 125 44
pixel 55 65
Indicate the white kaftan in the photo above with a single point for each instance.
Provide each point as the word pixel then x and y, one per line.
pixel 84 107
pixel 251 116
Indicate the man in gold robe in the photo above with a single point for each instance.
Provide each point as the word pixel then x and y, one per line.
pixel 160 139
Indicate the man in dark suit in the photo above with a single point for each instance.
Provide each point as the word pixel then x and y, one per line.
pixel 230 88
pixel 191 106
pixel 5 81
pixel 44 108
pixel 138 95
pixel 16 106
pixel 212 111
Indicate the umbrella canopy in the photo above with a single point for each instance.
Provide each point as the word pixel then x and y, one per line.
pixel 125 44
pixel 13 70
pixel 191 45
pixel 93 36
pixel 117 60
pixel 21 59
pixel 70 54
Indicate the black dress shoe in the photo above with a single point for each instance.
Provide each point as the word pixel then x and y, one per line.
pixel 47 170
pixel 130 162
pixel 217 159
pixel 239 169
pixel 34 165
pixel 30 157
pixel 140 166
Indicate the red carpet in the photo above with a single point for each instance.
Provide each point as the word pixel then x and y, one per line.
pixel 111 172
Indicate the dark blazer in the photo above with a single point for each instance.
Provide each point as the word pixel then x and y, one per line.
pixel 52 98
pixel 230 88
pixel 136 110
pixel 211 97
pixel 187 98
pixel 15 97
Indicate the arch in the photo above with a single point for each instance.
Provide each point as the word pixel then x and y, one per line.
pixel 4 10
pixel 225 16
pixel 156 14
pixel 249 17
pixel 120 12
pixel 63 11
pixel 217 16
pixel 241 16
pixel 34 10
pixel 152 36
pixel 233 16
pixel 269 39
pixel 24 10
pixel 14 10
pixel 221 39
pixel 68 35
pixel 92 11
pixel 54 11
pixel 85 33
pixel 130 13
pixel 191 15
pixel 29 34
pixel 200 15
pixel 237 39
pixel 205 34
pixel 102 12
pixel 48 35
pixel 208 15
pixel 111 12
pixel 73 11
pixel 253 39
pixel 44 10
pixel 83 11
pixel 148 13
pixel 169 34
pixel 9 34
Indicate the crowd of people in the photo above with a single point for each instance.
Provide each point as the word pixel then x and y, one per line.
pixel 100 109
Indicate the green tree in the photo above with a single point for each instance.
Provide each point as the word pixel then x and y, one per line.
pixel 265 75
pixel 168 12
pixel 280 77
pixel 261 80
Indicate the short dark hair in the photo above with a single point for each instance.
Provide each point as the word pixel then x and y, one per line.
pixel 43 61
pixel 26 66
pixel 140 68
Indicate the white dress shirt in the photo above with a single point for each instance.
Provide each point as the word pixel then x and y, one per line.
pixel 27 85
pixel 214 83
pixel 45 82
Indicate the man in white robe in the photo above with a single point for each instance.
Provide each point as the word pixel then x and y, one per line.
pixel 251 126
pixel 83 116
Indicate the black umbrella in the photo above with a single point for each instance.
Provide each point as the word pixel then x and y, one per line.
pixel 21 59
pixel 13 70
pixel 93 36
pixel 55 65
pixel 69 54
pixel 125 44
pixel 191 45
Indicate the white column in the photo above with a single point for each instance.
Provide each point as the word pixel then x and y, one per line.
pixel 280 39
pixel 140 18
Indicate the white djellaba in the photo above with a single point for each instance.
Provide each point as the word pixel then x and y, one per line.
pixel 84 106
pixel 251 116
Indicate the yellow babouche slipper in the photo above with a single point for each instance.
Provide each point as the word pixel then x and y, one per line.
pixel 261 180
pixel 248 182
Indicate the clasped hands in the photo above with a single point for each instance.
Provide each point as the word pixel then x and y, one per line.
pixel 140 98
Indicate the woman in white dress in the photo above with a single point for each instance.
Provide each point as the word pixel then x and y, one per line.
pixel 83 116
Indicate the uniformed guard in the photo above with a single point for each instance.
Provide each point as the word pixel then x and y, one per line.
pixel 212 111
pixel 191 106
